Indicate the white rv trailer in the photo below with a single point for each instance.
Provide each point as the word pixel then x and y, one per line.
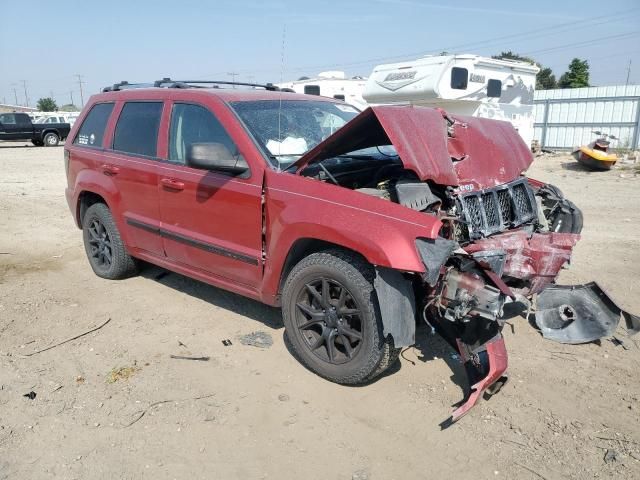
pixel 332 84
pixel 463 84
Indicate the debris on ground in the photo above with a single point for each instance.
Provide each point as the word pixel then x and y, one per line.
pixel 610 456
pixel 257 339
pixel 199 359
pixel 226 342
pixel 31 395
pixel 68 339
pixel 122 373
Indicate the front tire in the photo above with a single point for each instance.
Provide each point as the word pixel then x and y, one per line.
pixel 332 318
pixel 51 140
pixel 105 250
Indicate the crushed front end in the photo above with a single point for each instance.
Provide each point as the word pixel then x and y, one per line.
pixel 504 237
pixel 506 243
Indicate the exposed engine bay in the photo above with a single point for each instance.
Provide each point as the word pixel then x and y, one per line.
pixel 504 238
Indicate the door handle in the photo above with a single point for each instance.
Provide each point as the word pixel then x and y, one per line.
pixel 172 184
pixel 110 169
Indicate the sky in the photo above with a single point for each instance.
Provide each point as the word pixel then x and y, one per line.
pixel 270 41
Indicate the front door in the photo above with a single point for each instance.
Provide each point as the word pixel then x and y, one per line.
pixel 12 127
pixel 210 221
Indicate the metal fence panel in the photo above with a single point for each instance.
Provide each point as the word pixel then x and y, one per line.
pixel 566 118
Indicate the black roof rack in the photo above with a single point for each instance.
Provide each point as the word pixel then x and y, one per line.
pixel 169 83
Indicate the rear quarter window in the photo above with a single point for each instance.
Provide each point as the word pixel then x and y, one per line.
pixel 137 128
pixel 92 129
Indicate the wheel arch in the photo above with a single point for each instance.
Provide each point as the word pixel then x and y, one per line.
pixel 303 247
pixel 86 198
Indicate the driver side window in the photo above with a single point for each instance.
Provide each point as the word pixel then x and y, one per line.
pixel 194 124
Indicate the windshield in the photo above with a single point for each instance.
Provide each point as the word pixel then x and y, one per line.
pixel 287 129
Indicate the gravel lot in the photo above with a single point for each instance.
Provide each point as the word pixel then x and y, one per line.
pixel 115 404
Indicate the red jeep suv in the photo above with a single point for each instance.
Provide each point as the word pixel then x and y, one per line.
pixel 357 224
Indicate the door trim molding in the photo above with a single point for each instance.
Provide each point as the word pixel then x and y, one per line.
pixel 192 242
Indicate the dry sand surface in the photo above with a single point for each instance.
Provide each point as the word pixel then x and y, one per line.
pixel 114 404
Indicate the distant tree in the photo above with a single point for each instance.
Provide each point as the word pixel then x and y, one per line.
pixel 69 107
pixel 47 104
pixel 303 78
pixel 545 79
pixel 577 76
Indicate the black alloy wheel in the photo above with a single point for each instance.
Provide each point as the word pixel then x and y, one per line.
pixel 329 319
pixel 100 248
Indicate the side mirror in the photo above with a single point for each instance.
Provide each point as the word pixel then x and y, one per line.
pixel 217 157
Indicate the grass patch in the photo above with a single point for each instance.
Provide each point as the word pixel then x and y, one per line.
pixel 122 373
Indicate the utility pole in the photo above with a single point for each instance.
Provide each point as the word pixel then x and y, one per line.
pixel 15 94
pixel 628 72
pixel 71 94
pixel 80 82
pixel 233 76
pixel 26 95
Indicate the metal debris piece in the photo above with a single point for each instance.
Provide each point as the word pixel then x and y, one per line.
pixel 181 357
pixel 580 314
pixel 31 395
pixel 226 342
pixel 257 339
pixel 619 343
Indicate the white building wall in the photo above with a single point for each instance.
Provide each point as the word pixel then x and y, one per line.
pixel 566 118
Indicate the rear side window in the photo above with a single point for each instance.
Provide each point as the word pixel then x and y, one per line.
pixel 195 124
pixel 137 128
pixel 494 88
pixel 459 78
pixel 92 129
pixel 23 119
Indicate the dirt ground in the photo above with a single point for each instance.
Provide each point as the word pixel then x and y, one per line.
pixel 115 404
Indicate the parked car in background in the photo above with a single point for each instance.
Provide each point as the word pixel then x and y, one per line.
pixel 52 120
pixel 18 126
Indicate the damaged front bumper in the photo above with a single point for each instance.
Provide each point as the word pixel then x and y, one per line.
pixel 466 305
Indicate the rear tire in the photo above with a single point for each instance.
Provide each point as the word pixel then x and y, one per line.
pixel 51 140
pixel 332 319
pixel 105 250
pixel 37 143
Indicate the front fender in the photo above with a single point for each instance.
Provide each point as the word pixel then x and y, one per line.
pixel 302 208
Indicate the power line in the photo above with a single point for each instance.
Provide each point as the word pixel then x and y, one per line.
pixel 567 26
pixel 26 95
pixel 80 82
pixel 585 43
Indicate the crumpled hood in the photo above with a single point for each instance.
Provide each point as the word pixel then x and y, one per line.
pixel 482 153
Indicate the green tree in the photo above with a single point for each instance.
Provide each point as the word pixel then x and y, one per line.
pixel 577 76
pixel 47 104
pixel 545 79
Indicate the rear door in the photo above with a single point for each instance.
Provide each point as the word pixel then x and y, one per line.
pixel 132 164
pixel 211 221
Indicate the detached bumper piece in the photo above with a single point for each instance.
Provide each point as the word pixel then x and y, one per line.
pixel 576 314
pixel 495 353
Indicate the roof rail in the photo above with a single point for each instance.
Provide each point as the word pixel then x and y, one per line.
pixel 169 83
pixel 124 85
